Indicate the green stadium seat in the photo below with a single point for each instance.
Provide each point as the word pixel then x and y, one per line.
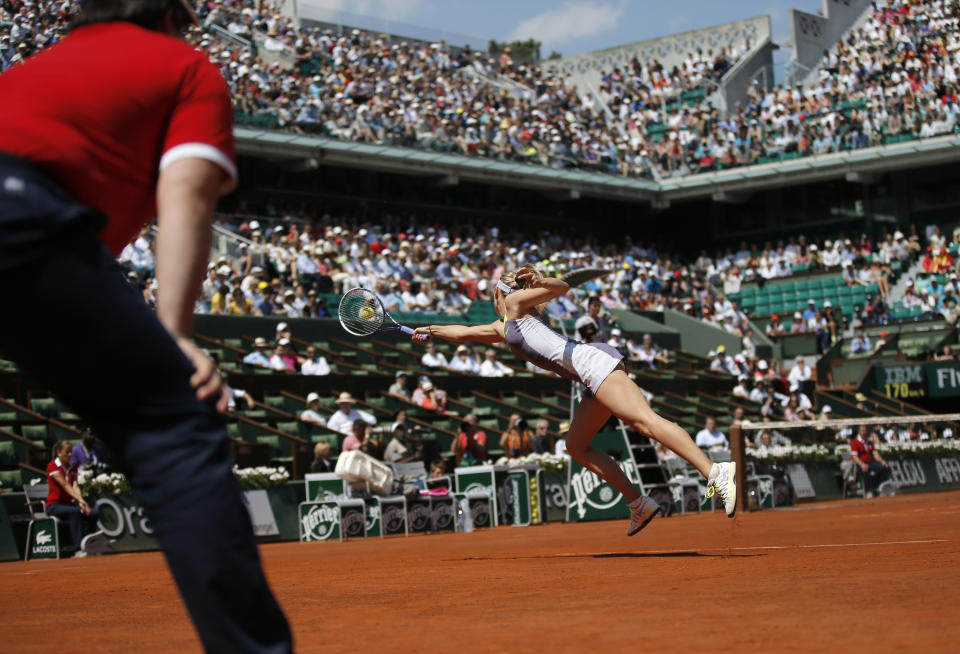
pixel 35 433
pixel 8 455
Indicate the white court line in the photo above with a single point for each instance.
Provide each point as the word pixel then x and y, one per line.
pixel 792 547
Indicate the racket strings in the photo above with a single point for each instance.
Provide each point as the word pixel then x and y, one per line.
pixel 361 313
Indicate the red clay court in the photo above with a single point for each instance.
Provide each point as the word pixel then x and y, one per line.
pixel 852 576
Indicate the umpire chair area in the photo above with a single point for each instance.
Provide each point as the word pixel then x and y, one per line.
pixel 43 531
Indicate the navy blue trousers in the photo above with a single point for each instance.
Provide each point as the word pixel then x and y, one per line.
pixel 70 513
pixel 75 325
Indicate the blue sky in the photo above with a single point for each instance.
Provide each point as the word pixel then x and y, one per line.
pixel 575 26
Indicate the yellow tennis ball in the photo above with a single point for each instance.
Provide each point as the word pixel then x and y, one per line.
pixel 366 313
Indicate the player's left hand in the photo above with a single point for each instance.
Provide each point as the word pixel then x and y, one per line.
pixel 206 378
pixel 527 278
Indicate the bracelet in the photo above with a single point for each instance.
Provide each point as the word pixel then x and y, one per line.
pixel 430 329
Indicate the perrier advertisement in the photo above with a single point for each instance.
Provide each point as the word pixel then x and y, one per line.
pixel 589 496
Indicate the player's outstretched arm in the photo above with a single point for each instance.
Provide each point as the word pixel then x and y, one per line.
pixel 492 333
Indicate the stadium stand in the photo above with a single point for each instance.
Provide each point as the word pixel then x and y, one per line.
pixel 891 80
pixel 803 291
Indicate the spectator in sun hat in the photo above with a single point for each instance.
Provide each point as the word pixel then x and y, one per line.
pixel 259 356
pixel 342 420
pixel 312 413
pixel 463 362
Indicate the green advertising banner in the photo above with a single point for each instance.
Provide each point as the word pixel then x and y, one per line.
pixel 319 521
pixel 905 381
pixel 553 489
pixel 489 480
pixel 589 496
pixel 915 474
pixel 273 514
pixel 42 541
pixel 124 523
pixel 518 514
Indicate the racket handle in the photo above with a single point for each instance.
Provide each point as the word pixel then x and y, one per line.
pixel 407 330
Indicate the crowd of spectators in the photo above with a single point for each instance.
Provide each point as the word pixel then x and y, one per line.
pixel 894 76
pixel 291 266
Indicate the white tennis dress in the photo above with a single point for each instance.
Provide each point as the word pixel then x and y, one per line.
pixel 531 339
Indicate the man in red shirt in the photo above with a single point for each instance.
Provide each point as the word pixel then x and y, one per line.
pixel 117 123
pixel 864 454
pixel 64 500
pixel 470 447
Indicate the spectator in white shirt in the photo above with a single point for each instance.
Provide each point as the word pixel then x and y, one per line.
pixel 314 364
pixel 800 372
pixel 560 447
pixel 342 421
pixel 493 368
pixel 463 362
pixel 312 413
pixel 742 389
pixel 433 359
pixel 709 436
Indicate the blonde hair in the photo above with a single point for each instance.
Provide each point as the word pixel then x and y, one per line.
pixel 510 278
pixel 321 450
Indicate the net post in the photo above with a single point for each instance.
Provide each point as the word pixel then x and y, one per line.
pixel 738 456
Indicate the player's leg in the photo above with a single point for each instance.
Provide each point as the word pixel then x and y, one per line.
pixel 587 421
pixel 85 334
pixel 626 401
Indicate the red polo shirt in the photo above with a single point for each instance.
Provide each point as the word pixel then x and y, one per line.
pixel 108 107
pixel 56 494
pixel 863 450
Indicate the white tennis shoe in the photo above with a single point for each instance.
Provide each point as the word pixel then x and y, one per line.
pixel 642 511
pixel 723 480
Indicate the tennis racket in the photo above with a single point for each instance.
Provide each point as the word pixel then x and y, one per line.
pixel 362 314
pixel 583 275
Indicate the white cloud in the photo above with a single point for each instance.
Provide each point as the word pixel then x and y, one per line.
pixel 575 19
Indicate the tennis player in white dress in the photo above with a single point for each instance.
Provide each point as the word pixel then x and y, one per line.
pixel 599 367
